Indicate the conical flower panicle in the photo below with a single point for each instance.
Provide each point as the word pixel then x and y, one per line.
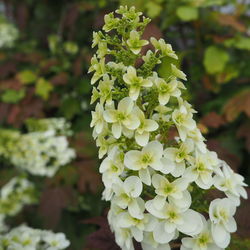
pixel 151 179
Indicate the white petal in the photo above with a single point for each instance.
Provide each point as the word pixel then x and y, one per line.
pixel 142 139
pixel 110 115
pixel 117 130
pixel 131 160
pixel 151 125
pixel 155 148
pixel 137 233
pixel 159 201
pixel 193 218
pixel 160 235
pixel 126 105
pixel 220 235
pixel 167 165
pixel 145 176
pixel 133 186
pixel 132 122
pixel 135 210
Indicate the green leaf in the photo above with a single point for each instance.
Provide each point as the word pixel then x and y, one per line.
pixel 43 88
pixel 215 59
pixel 153 9
pixel 239 43
pixel 27 76
pixel 13 96
pixel 187 13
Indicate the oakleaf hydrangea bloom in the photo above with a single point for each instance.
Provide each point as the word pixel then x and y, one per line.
pixel 8 33
pixel 15 194
pixel 150 178
pixel 24 237
pixel 42 151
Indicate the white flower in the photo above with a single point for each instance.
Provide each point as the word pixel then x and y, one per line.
pixel 166 90
pixel 105 90
pixel 178 73
pixel 149 243
pixel 183 121
pixel 231 184
pixel 221 213
pixel 146 126
pixel 127 196
pixel 135 82
pixel 134 42
pixel 165 48
pixel 196 136
pixel 200 171
pixel 98 67
pixel 150 156
pixel 178 156
pixel 165 189
pixel 173 218
pixel 111 167
pixel 55 241
pixel 137 226
pixel 122 117
pixel 201 241
pixel 98 121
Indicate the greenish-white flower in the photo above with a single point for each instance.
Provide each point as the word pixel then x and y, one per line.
pixel 135 82
pixel 134 42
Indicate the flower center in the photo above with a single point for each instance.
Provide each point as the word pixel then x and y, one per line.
pixel 146 159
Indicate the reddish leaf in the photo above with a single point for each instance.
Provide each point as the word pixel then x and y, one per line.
pixel 212 120
pixel 60 79
pixel 223 153
pixel 103 238
pixel 232 21
pixel 244 132
pixel 237 104
pixel 242 217
pixel 7 69
pixel 53 201
pixel 77 67
pixel 10 84
pixel 89 178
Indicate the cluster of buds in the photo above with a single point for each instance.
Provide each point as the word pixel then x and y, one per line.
pixel 155 161
pixel 24 237
pixel 42 151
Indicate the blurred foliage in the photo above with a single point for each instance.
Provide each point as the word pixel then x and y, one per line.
pixel 45 75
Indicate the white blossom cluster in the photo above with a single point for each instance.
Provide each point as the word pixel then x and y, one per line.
pixel 39 153
pixel 149 177
pixel 26 238
pixel 13 196
pixel 8 33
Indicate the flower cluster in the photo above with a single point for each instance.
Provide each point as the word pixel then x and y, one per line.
pixel 13 196
pixel 8 33
pixel 40 152
pixel 155 158
pixel 24 237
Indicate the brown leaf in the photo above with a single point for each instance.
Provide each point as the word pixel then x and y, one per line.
pixel 244 132
pixel 30 106
pixel 232 159
pixel 232 21
pixel 11 83
pixel 237 104
pixel 52 203
pixel 213 120
pixel 60 79
pixel 77 66
pixel 7 69
pixel 89 178
pixel 103 238
pixel 242 217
